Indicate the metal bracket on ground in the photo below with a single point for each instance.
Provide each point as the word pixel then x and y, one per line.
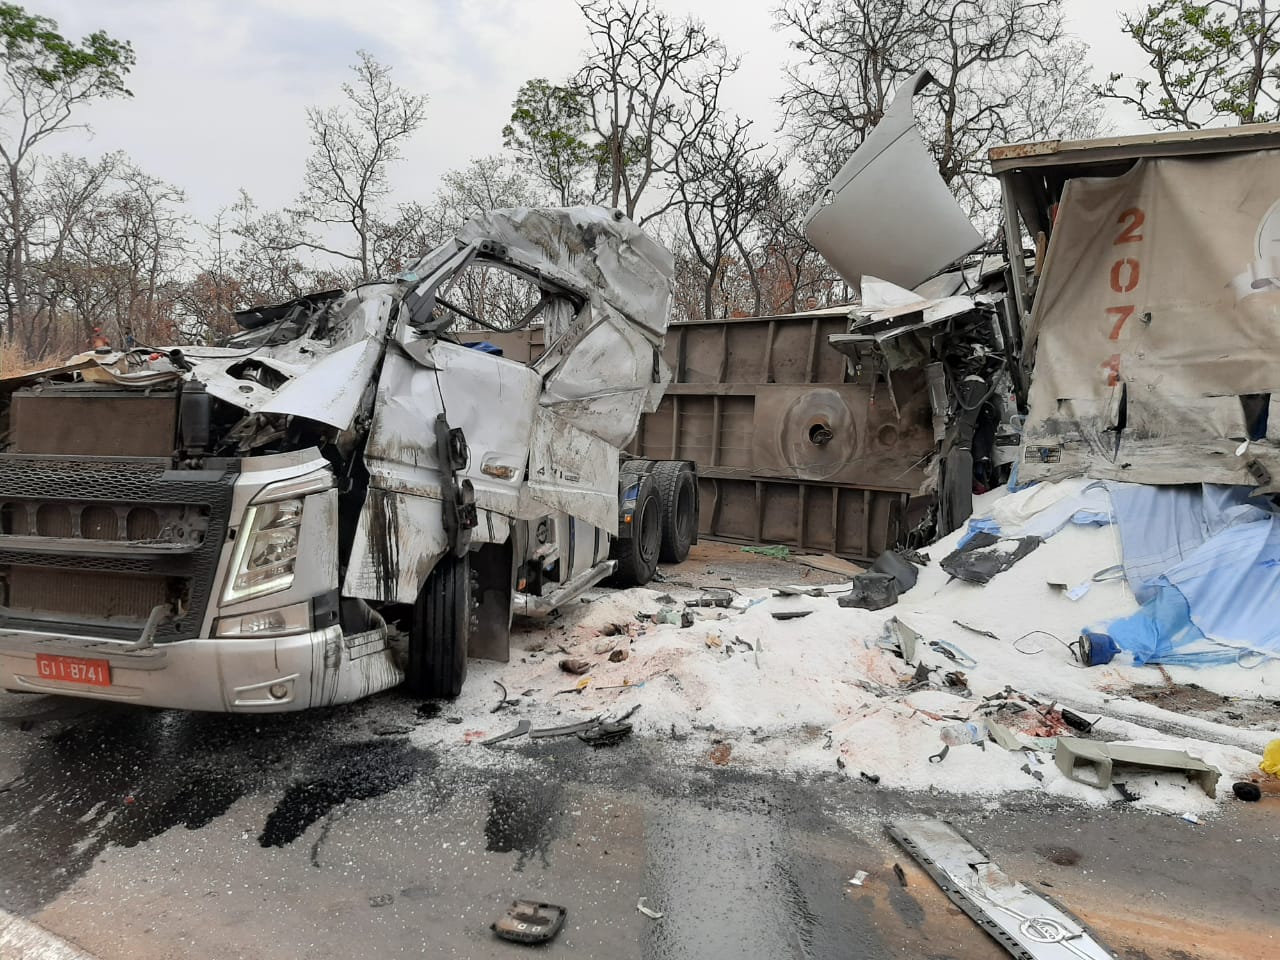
pixel 1072 752
pixel 1021 921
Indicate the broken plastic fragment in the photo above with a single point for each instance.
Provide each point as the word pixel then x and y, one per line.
pixel 648 911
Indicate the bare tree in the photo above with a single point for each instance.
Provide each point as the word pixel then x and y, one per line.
pixel 652 86
pixel 723 180
pixel 1002 67
pixel 346 174
pixel 1214 61
pixel 46 79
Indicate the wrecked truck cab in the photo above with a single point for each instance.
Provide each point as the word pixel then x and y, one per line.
pixel 342 496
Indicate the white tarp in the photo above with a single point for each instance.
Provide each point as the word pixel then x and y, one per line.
pixel 1159 305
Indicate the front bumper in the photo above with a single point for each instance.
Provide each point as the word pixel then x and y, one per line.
pixel 320 668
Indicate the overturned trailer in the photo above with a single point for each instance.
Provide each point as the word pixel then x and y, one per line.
pixel 343 496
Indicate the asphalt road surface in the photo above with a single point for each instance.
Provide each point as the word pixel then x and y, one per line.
pixel 157 834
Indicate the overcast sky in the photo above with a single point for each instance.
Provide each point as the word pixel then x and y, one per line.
pixel 221 86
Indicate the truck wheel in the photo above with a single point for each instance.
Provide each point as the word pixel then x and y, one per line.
pixel 439 632
pixel 677 490
pixel 638 556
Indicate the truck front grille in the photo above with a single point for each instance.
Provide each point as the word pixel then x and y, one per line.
pixel 91 545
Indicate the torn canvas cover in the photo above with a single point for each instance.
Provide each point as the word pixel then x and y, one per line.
pixel 1155 326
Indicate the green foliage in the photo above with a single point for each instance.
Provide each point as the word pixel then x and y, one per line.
pixel 1213 61
pixel 550 130
pixel 36 53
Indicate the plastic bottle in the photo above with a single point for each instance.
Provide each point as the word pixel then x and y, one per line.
pixel 959 733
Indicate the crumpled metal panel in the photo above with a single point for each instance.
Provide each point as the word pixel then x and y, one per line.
pixel 888 213
pixel 329 392
pixel 593 249
pixel 572 471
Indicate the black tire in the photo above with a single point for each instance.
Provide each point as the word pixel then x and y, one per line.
pixel 679 494
pixel 440 631
pixel 637 555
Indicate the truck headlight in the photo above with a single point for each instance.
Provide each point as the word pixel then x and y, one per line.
pixel 279 622
pixel 266 550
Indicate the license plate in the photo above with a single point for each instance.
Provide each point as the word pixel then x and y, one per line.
pixel 95 673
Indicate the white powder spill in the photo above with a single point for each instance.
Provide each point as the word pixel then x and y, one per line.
pixel 793 695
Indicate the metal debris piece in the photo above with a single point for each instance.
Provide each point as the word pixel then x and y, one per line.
pixel 605 733
pixel 940 755
pixel 954 653
pixel 568 730
pixel 869 777
pixel 981 633
pixel 519 730
pixel 790 614
pixel 527 921
pixel 1021 921
pixel 648 911
pixel 1003 736
pixel 900 874
pixel 858 878
pixel 1102 757
pixel 1127 795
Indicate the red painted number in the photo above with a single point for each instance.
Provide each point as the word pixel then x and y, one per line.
pixel 1125 275
pixel 1121 314
pixel 1130 233
pixel 1112 366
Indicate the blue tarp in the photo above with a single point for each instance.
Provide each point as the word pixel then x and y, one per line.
pixel 1205 564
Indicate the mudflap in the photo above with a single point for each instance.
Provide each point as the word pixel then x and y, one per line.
pixel 493 571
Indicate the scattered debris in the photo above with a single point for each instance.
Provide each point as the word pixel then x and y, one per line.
pixel 504 700
pixel 605 733
pixel 900 874
pixel 575 666
pixel 568 730
pixel 981 633
pixel 985 555
pixel 720 754
pixel 712 640
pixel 528 921
pixel 622 653
pixel 1244 790
pixel 1021 921
pixel 382 900
pixel 519 730
pixel 1127 795
pixel 896 566
pixel 790 614
pixel 778 552
pixel 871 591
pixel 1101 757
pixel 831 564
pixel 858 878
pixel 647 910
pixel 869 777
pixel 677 618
